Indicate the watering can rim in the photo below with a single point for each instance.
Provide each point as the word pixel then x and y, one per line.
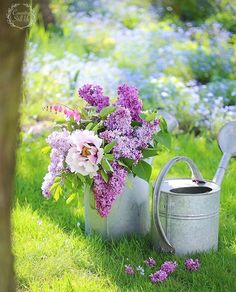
pixel 167 187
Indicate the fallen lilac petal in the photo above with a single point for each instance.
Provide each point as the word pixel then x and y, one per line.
pixel 192 265
pixel 129 270
pixel 150 262
pixel 169 267
pixel 158 277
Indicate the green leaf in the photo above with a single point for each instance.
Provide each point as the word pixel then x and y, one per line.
pixel 81 177
pixel 149 152
pixel 57 193
pixel 163 125
pixel 46 149
pixel 149 116
pixel 108 147
pixel 96 127
pixel 55 185
pixel 106 165
pixel 126 162
pixel 88 181
pixel 57 179
pixel 109 157
pixel 84 114
pixel 89 126
pixel 104 175
pixel 70 198
pixel 106 111
pixel 163 138
pixel 143 170
pixel 136 124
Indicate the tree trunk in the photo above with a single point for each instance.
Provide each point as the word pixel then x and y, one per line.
pixel 48 17
pixel 12 42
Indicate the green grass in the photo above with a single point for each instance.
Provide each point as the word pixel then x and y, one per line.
pixel 53 254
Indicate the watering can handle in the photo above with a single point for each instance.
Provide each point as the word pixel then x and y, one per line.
pixel 196 176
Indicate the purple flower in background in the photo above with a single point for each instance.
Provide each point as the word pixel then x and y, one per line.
pixel 93 94
pixel 150 262
pixel 120 120
pixel 129 270
pixel 158 277
pixel 128 98
pixel 169 267
pixel 106 193
pixel 192 265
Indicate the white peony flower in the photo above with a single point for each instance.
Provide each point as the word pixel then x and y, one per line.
pixel 85 154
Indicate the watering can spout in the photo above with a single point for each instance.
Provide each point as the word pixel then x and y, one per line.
pixel 218 178
pixel 227 144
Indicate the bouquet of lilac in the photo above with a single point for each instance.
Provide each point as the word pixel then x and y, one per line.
pixel 99 144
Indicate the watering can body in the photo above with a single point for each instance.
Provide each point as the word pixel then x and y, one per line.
pixel 185 212
pixel 189 216
pixel 185 215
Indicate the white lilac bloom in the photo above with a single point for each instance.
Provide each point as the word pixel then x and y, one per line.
pixel 140 270
pixel 85 154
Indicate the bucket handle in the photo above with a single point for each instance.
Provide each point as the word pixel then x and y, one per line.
pixel 196 176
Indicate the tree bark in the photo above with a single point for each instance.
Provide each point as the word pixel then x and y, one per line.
pixel 48 17
pixel 12 41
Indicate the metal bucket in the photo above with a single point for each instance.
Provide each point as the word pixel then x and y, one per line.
pixel 185 212
pixel 129 214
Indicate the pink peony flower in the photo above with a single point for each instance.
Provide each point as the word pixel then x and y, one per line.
pixel 85 153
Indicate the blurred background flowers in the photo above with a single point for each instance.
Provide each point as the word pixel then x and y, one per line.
pixel 179 54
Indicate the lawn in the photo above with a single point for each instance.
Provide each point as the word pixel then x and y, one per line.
pixel 52 252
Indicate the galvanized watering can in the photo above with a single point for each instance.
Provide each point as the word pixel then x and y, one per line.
pixel 185 216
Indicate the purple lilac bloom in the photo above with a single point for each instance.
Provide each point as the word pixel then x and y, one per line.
pixel 128 98
pixel 169 267
pixel 56 165
pixel 47 183
pixel 158 277
pixel 106 193
pixel 93 94
pixel 109 136
pixel 145 132
pixel 192 265
pixel 150 262
pixel 126 146
pixel 60 143
pixel 119 120
pixel 129 270
pixel 129 142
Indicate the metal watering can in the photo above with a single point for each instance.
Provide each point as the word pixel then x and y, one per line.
pixel 185 216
